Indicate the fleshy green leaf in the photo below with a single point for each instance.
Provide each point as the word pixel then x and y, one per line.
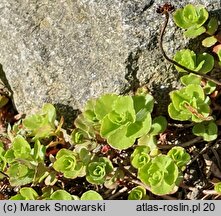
pixel 148 140
pixel 209 41
pixel 89 113
pixel 139 128
pixel 187 58
pixel 91 195
pixel 119 139
pixel 39 151
pixel 49 111
pixel 195 91
pixel 83 126
pixel 41 172
pixel 85 155
pixel 17 197
pixel 61 195
pixel 217 187
pixel 219 54
pixel 108 127
pixel 143 102
pixel 42 124
pixel 194 31
pixel 104 105
pixel 51 179
pixel 159 125
pixel 2 158
pixel 212 26
pixel 208 62
pixel 28 193
pixel 21 147
pixel 207 129
pixel 178 115
pixel 190 79
pixel 210 87
pixel 124 104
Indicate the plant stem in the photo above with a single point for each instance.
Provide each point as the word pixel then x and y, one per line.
pixel 4 174
pixel 174 62
pixel 210 192
pixel 184 145
pixel 124 189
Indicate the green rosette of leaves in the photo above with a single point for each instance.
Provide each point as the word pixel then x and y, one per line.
pixel 127 119
pixel 98 169
pixel 67 162
pixel 189 103
pixel 202 63
pixel 21 173
pixel 179 156
pixel 42 124
pixel 137 193
pixel 21 164
pixel 191 18
pixel 118 119
pixel 140 156
pixel 160 175
pixel 24 161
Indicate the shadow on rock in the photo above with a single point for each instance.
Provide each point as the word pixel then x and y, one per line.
pixel 68 113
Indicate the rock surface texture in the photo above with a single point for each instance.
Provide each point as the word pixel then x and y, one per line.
pixel 67 51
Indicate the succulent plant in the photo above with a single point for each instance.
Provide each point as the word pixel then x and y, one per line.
pixel 207 129
pixel 189 103
pixel 140 156
pixel 98 169
pixel 67 162
pixel 202 63
pixel 179 156
pixel 160 174
pixel 191 18
pixel 42 124
pixel 137 193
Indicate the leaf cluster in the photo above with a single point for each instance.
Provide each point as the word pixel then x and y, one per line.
pixel 162 173
pixel 193 102
pixel 27 193
pixel 114 139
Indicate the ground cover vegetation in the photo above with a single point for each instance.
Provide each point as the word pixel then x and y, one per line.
pixel 118 147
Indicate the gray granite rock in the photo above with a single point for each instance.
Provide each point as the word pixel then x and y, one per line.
pixel 67 51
